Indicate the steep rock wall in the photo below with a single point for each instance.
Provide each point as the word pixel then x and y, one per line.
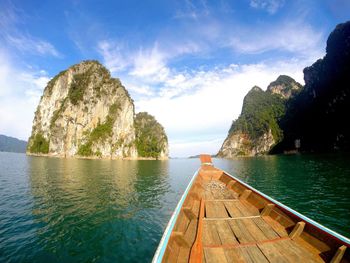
pixel 257 129
pixel 84 112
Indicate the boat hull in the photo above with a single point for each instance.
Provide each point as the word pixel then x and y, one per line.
pixel 219 218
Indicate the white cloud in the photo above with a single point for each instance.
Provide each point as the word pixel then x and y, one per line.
pixel 143 90
pixel 192 10
pixel 295 37
pixel 8 15
pixel 113 55
pixel 4 74
pixel 196 147
pixel 35 83
pixel 185 47
pixel 292 33
pixel 32 45
pixel 20 91
pixel 201 103
pixel 217 99
pixel 271 6
pixel 147 63
pixel 13 34
pixel 150 63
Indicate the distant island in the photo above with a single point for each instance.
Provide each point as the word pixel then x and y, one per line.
pixel 288 117
pixel 86 113
pixel 11 144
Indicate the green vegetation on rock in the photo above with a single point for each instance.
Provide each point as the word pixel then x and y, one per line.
pixel 78 86
pixel 39 144
pixel 57 113
pixel 85 149
pixel 151 139
pixel 101 132
pixel 96 74
pixel 310 118
pixel 317 116
pixel 79 95
pixel 52 82
pixel 257 129
pixel 261 112
pixel 104 130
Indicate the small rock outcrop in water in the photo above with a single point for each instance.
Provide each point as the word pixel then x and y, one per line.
pixel 256 130
pixel 84 112
pixel 151 140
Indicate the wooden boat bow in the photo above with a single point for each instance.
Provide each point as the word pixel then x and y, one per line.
pixel 222 219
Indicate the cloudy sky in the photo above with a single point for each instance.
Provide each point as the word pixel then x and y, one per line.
pixel 188 63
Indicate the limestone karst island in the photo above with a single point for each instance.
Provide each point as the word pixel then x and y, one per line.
pixel 194 131
pixel 84 112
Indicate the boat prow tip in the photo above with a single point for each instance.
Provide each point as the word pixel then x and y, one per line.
pixel 205 159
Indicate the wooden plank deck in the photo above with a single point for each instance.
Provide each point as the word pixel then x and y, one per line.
pixel 223 220
pixel 234 231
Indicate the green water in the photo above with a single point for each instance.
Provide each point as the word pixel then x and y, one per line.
pixel 70 210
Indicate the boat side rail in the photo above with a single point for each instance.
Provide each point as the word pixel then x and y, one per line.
pixel 332 234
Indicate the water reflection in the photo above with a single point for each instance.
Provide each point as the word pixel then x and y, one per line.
pixel 152 182
pixel 67 210
pixel 91 208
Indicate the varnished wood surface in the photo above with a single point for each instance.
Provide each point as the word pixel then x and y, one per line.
pixel 236 225
pixel 234 231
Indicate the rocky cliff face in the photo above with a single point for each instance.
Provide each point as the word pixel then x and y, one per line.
pixel 256 130
pixel 317 116
pixel 151 140
pixel 313 118
pixel 285 87
pixel 240 144
pixel 84 112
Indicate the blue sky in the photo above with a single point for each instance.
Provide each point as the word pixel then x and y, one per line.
pixel 189 63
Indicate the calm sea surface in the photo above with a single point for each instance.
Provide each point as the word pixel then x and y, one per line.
pixel 57 210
